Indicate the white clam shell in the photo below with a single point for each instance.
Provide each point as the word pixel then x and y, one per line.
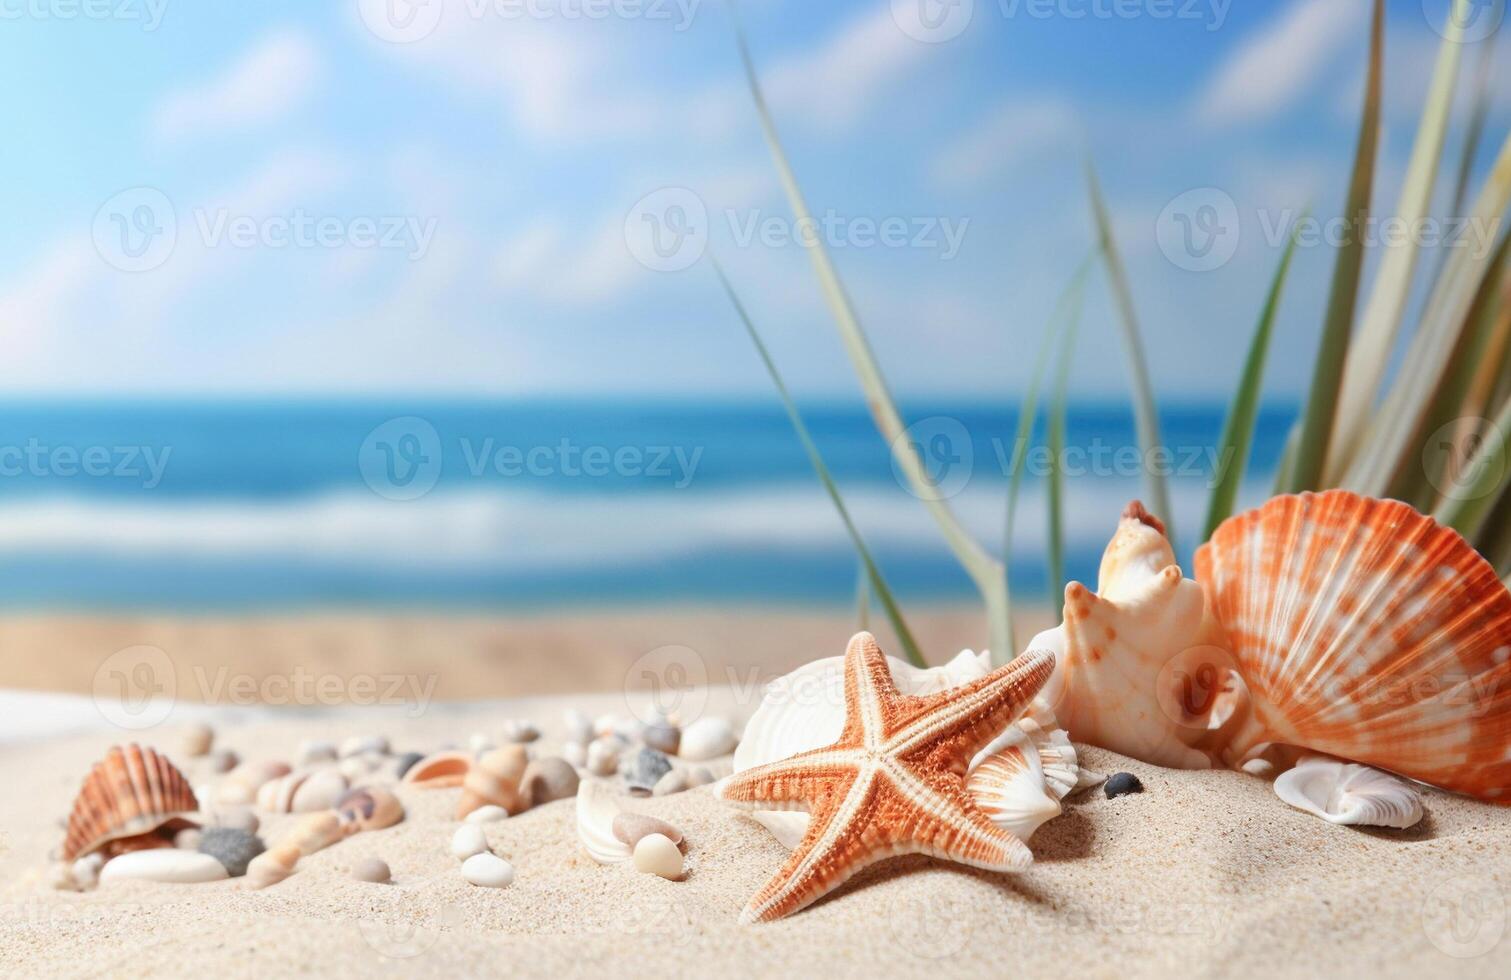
pixel 1347 793
pixel 596 809
pixel 163 864
pixel 805 710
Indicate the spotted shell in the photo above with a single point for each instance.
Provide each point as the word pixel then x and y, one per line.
pixel 132 799
pixel 1367 631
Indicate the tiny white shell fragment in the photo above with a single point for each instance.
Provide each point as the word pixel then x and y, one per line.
pixel 488 871
pixel 1347 793
pixel 164 864
pixel 657 855
pixel 468 840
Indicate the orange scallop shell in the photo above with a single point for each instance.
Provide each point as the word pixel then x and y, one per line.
pixel 1368 631
pixel 132 799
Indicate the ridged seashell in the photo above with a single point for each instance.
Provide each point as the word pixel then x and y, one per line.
pixel 1139 667
pixel 368 808
pixel 707 738
pixel 596 810
pixel 1346 793
pixel 442 770
pixel 272 866
pixel 548 780
pixel 132 799
pixel 1021 776
pixel 644 769
pixel 805 710
pixel 314 832
pixel 1366 631
pixel 172 866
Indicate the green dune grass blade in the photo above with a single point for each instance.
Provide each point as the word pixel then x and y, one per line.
pixel 1286 467
pixel 1369 352
pixel 1453 407
pixel 1484 482
pixel 1474 129
pixel 1145 414
pixel 988 574
pixel 873 573
pixel 1396 430
pixel 1238 431
pixel 1055 438
pixel 1321 406
pixel 1027 414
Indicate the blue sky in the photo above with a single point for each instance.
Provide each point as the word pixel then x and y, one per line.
pixel 474 186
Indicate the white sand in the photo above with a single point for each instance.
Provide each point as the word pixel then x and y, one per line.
pixel 1205 873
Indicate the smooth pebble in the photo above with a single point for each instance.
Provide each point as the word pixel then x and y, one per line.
pixel 237 818
pixel 487 814
pixel 518 730
pixel 86 871
pixel 707 738
pixel 603 756
pixel 224 760
pixel 319 792
pixel 163 864
pixel 576 753
pixel 657 855
pixel 548 780
pixel 662 736
pixel 188 839
pixel 578 725
pixel 197 740
pixel 671 783
pixel 644 769
pixel 468 840
pixel 1122 783
pixel 234 849
pixel 632 828
pixel 360 744
pixel 373 870
pixel 488 871
pixel 314 752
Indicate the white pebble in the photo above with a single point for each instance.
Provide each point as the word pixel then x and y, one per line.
pixel 163 864
pixel 518 730
pixel 468 841
pixel 319 792
pixel 603 756
pixel 575 753
pixel 488 871
pixel 478 743
pixel 488 814
pixel 707 738
pixel 86 871
pixel 657 855
pixel 197 740
pixel 579 726
pixel 314 752
pixel 360 744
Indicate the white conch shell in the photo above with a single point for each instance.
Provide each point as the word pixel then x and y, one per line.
pixel 805 710
pixel 1347 793
pixel 1139 666
pixel 596 809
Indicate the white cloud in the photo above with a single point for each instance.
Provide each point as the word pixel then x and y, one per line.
pixel 1013 133
pixel 1272 68
pixel 838 82
pixel 266 83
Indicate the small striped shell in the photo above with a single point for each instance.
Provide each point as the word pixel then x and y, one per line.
pixel 1346 793
pixel 132 799
pixel 1367 631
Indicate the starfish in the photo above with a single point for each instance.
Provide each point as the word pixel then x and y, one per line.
pixel 894 783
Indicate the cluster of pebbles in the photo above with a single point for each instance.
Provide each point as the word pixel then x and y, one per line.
pixel 337 791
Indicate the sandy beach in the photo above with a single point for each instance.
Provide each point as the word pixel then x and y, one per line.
pixel 1203 874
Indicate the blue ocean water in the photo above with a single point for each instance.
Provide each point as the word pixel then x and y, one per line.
pixel 193 505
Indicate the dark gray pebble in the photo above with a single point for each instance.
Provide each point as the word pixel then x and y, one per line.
pixel 1119 784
